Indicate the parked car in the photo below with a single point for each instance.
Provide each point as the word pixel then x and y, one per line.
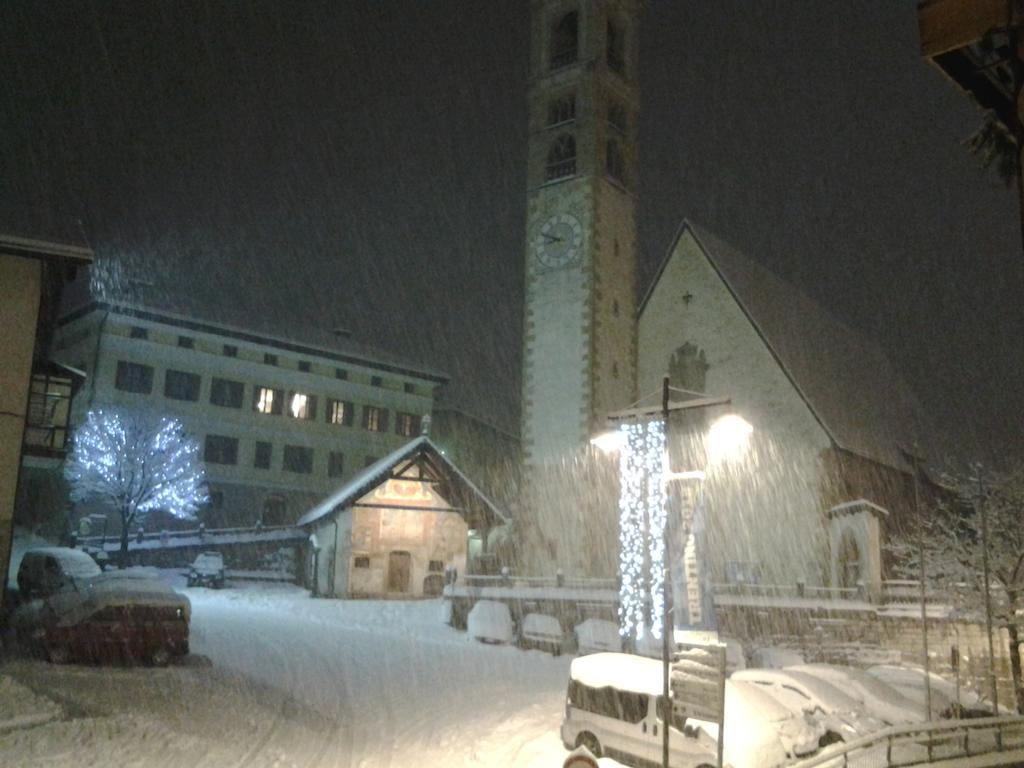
pixel 909 681
pixel 613 707
pixel 597 635
pixel 541 631
pixel 877 698
pixel 490 622
pixel 842 716
pixel 45 571
pixel 207 571
pixel 76 612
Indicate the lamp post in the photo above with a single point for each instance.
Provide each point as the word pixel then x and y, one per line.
pixel 606 442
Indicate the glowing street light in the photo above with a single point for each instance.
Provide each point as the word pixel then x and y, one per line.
pixel 728 438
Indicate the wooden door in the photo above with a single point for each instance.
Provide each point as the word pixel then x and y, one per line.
pixel 399 571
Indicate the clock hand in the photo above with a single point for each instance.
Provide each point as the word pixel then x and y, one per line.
pixel 550 238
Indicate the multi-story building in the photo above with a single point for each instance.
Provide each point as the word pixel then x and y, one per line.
pixel 282 421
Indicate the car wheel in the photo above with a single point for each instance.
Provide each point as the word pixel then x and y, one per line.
pixel 160 657
pixel 59 654
pixel 589 741
pixel 830 737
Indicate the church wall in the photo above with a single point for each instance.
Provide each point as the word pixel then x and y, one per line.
pixel 766 509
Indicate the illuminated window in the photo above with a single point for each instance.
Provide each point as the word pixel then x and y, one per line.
pixel 302 406
pixel 407 424
pixel 375 419
pixel 339 412
pixel 268 400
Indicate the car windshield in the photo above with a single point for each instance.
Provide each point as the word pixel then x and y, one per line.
pixel 375 362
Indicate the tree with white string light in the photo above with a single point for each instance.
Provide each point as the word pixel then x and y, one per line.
pixel 136 462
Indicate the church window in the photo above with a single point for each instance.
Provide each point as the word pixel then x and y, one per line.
pixel 564 45
pixel 561 158
pixel 562 110
pixel 614 164
pixel 617 117
pixel 615 47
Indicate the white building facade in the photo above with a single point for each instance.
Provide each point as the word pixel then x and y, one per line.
pixel 281 421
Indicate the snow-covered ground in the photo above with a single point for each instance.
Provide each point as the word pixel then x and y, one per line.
pixel 304 682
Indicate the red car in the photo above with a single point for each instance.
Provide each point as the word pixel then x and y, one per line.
pixel 78 614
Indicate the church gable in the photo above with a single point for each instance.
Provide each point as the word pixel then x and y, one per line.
pixel 692 326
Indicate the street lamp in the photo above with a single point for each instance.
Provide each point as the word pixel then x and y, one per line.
pixel 644 474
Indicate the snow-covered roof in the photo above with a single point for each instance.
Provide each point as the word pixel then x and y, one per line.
pixel 849 507
pixel 378 472
pixel 623 671
pixel 847 381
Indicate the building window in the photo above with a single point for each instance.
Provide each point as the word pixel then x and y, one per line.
pixel 562 110
pixel 370 460
pixel 226 393
pixel 564 48
pixel 263 454
pixel 269 359
pixel 435 566
pixel 186 342
pixel 304 366
pixel 230 350
pixel 410 388
pixel 362 561
pixel 221 450
pixel 267 400
pixel 561 158
pixel 298 458
pixel 407 424
pixel 375 419
pixel 133 377
pixel 179 385
pixel 275 511
pixel 302 406
pixel 340 373
pixel 376 381
pixel 336 464
pixel 216 499
pixel 615 47
pixel 617 117
pixel 138 333
pixel 49 404
pixel 614 165
pixel 339 412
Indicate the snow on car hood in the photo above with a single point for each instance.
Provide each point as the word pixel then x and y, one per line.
pixel 116 588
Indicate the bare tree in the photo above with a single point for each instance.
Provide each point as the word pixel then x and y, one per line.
pixel 136 462
pixel 954 552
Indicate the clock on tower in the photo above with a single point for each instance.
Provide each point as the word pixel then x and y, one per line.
pixel 579 334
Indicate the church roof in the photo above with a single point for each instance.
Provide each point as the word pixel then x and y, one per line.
pixel 378 472
pixel 847 381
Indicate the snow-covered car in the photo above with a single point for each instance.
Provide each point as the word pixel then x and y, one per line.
pixel 129 614
pixel 909 681
pixel 760 732
pixel 878 699
pixel 613 707
pixel 538 630
pixel 44 571
pixel 207 571
pixel 840 714
pixel 490 622
pixel 774 657
pixel 597 635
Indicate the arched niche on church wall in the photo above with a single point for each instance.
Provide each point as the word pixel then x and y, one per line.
pixel 855 544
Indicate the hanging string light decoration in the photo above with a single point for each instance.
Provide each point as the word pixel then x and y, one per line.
pixel 642 518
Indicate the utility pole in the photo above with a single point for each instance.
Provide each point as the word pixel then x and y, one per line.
pixel 924 607
pixel 988 596
pixel 666 612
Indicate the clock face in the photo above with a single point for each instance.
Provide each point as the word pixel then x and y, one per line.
pixel 559 241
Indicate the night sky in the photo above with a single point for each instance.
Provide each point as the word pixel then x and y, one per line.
pixel 361 164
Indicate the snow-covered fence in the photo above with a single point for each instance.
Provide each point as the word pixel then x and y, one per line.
pixel 932 743
pixel 200 536
pixel 894 591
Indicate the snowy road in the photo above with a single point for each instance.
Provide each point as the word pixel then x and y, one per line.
pixel 396 686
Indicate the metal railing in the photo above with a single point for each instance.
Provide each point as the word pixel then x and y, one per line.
pixel 511 580
pixel 893 592
pixel 907 745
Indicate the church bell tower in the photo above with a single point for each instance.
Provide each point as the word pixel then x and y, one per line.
pixel 579 340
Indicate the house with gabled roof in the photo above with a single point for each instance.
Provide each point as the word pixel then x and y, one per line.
pixel 398 526
pixel 839 438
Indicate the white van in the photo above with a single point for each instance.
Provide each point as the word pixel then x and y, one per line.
pixel 613 707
